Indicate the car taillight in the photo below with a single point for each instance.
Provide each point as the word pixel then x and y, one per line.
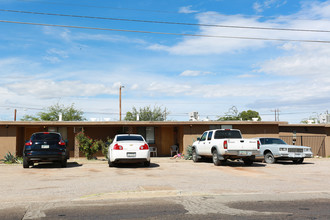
pixel 62 143
pixel 46 132
pixel 144 147
pixel 117 147
pixel 28 143
pixel 225 145
pixel 258 145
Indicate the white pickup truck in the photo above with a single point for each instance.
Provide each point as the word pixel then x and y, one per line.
pixel 223 144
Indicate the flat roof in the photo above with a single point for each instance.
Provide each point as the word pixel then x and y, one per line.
pixel 137 123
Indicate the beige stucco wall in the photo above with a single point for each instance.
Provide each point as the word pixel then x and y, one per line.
pixel 7 140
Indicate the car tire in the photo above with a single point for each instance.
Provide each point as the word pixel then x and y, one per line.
pixel 64 163
pixel 111 164
pixel 215 158
pixel 146 164
pixel 298 161
pixel 195 156
pixel 269 158
pixel 25 163
pixel 248 162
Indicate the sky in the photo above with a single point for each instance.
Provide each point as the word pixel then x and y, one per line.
pixel 213 54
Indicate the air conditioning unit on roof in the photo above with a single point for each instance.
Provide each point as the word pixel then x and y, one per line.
pixel 193 116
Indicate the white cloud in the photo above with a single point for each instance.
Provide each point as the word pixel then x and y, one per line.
pixel 224 44
pixel 247 76
pixel 48 89
pixel 194 73
pixel 312 61
pixel 266 4
pixel 257 7
pixel 187 10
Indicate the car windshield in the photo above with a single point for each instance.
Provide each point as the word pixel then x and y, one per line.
pixel 221 134
pixel 271 141
pixel 129 138
pixel 46 137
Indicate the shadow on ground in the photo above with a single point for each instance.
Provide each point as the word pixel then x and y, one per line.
pixel 46 165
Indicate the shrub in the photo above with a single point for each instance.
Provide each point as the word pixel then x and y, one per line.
pixel 105 147
pixel 188 156
pixel 10 159
pixel 87 145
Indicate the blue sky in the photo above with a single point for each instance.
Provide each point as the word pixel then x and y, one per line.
pixel 44 65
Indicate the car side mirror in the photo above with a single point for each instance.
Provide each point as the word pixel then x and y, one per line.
pixel 198 139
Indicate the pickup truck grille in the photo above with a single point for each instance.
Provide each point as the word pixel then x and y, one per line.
pixel 299 150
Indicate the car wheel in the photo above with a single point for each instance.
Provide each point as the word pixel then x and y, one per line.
pixel 64 163
pixel 25 163
pixel 146 164
pixel 248 162
pixel 111 164
pixel 215 158
pixel 195 156
pixel 298 161
pixel 269 158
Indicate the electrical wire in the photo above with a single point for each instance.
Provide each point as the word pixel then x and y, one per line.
pixel 169 12
pixel 167 33
pixel 168 22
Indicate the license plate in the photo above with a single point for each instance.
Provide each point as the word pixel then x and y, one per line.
pixel 131 154
pixel 44 146
pixel 245 153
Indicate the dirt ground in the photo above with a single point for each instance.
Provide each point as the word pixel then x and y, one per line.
pixel 94 180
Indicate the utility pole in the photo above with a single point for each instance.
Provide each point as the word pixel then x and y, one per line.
pixel 120 87
pixel 277 114
pixel 15 114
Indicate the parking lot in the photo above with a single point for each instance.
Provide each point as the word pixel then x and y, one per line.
pixel 178 180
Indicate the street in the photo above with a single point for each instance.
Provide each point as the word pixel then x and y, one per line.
pixel 169 189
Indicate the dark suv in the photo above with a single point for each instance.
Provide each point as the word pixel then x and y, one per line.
pixel 45 146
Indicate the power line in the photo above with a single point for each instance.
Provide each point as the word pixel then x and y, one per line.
pixel 170 12
pixel 167 33
pixel 114 8
pixel 168 22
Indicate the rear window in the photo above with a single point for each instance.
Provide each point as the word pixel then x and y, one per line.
pixel 46 137
pixel 271 141
pixel 227 134
pixel 129 138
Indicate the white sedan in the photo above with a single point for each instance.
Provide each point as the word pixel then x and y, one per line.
pixel 128 148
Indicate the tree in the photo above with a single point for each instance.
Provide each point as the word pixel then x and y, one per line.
pixel 233 115
pixel 147 114
pixel 69 113
pixel 249 115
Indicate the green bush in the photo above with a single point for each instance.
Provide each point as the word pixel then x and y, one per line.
pixel 87 145
pixel 105 147
pixel 10 159
pixel 188 156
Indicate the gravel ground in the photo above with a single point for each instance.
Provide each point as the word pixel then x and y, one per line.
pixel 88 180
pixel 199 190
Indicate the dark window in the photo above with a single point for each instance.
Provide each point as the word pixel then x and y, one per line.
pixel 209 137
pixel 46 137
pixel 129 138
pixel 271 141
pixel 148 133
pixel 222 134
pixel 203 138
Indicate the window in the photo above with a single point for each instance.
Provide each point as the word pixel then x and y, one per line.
pixel 209 137
pixel 129 138
pixel 221 134
pixel 46 137
pixel 271 141
pixel 148 133
pixel 203 138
